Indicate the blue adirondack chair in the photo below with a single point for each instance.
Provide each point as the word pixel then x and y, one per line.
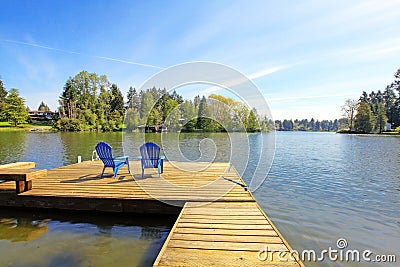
pixel 150 157
pixel 104 151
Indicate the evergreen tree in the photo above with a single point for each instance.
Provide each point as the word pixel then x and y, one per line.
pixel 380 118
pixel 389 102
pixel 196 102
pixel 317 126
pixel 178 98
pixel 287 125
pixel 15 109
pixel 364 97
pixel 396 84
pixel 278 125
pixel 395 115
pixel 103 109
pixel 3 104
pixel 43 107
pixel 117 100
pixel 133 99
pixel 68 100
pixel 335 125
pixel 312 124
pixel 202 114
pixel 253 124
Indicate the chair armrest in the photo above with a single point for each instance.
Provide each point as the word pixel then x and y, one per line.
pixel 122 158
pixel 162 157
pixel 139 157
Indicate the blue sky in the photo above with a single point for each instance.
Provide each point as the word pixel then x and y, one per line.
pixel 307 57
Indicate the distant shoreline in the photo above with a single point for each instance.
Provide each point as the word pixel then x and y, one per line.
pixel 6 127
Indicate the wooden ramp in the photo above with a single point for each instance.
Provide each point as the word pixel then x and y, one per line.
pixel 224 234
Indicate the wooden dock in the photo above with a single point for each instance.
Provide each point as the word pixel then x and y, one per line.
pixel 220 223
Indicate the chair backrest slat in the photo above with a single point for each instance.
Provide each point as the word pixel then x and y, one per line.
pixel 150 153
pixel 104 151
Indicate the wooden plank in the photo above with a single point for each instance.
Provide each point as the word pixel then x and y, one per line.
pixel 21 174
pixel 249 232
pixel 229 238
pixel 195 257
pixel 211 245
pixel 236 221
pixel 242 226
pixel 232 229
pixel 19 165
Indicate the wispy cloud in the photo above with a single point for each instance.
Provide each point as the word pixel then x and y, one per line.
pixel 252 76
pixel 266 72
pixel 82 54
pixel 272 99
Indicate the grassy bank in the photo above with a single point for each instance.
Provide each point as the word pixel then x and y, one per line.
pixel 6 126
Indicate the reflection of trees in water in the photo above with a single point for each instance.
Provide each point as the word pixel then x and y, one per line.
pixel 44 148
pixel 83 143
pixel 150 233
pixel 12 146
pixel 17 230
pixel 105 230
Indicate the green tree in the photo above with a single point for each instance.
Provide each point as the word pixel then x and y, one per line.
pixel 363 119
pixel 380 118
pixel 15 108
pixel 103 109
pixel 154 118
pixel 312 124
pixel 395 119
pixel 168 106
pixel 171 113
pixel 68 100
pixel 173 121
pixel 202 117
pixel 389 101
pixel 3 104
pixel 189 115
pixel 178 98
pixel 147 102
pixel 253 124
pixel 265 124
pixel 43 107
pixel 117 100
pixel 117 108
pixel 188 110
pixel 91 100
pixel 224 110
pixel 133 99
pixel 196 102
pixel 131 119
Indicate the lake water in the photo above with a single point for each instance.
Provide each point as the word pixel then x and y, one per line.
pixel 321 187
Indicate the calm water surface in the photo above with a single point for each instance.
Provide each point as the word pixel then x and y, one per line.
pixel 321 187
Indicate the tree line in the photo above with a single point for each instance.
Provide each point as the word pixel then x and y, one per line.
pixel 90 102
pixel 310 125
pixel 371 112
